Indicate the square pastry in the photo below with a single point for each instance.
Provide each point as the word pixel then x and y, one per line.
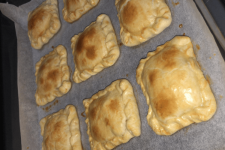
pixel 43 23
pixel 74 9
pixel 141 20
pixel 175 88
pixel 112 116
pixel 52 76
pixel 61 130
pixel 94 49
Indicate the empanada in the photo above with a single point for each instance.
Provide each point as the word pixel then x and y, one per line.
pixel 141 20
pixel 43 23
pixel 52 76
pixel 74 9
pixel 112 116
pixel 175 88
pixel 94 49
pixel 61 130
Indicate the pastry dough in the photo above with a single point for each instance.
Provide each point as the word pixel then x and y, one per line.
pixel 61 130
pixel 52 76
pixel 94 49
pixel 141 20
pixel 43 23
pixel 175 88
pixel 112 116
pixel 74 9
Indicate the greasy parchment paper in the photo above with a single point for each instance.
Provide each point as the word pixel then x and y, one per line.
pixel 206 135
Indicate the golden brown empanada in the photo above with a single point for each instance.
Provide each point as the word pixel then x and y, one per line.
pixel 112 116
pixel 74 9
pixel 141 20
pixel 94 49
pixel 52 76
pixel 43 23
pixel 61 130
pixel 175 88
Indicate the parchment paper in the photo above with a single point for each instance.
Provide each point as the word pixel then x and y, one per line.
pixel 203 136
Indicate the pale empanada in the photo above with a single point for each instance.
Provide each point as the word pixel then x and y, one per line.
pixel 141 20
pixel 112 116
pixel 175 88
pixel 52 76
pixel 61 130
pixel 43 23
pixel 94 49
pixel 74 9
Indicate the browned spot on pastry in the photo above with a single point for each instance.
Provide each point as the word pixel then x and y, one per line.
pixel 183 33
pixel 93 113
pixel 83 44
pixel 130 13
pixel 42 68
pixel 41 80
pixel 198 47
pixel 96 133
pixel 165 103
pixel 113 106
pixel 208 79
pixel 107 121
pixel 90 52
pixel 168 57
pixel 47 87
pixel 82 114
pixel 53 75
pixel 35 21
pixel 153 75
pixel 180 26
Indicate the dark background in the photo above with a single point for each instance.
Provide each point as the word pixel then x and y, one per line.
pixel 8 71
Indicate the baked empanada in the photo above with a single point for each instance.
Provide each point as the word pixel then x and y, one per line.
pixel 74 9
pixel 52 76
pixel 94 49
pixel 43 23
pixel 112 116
pixel 141 20
pixel 61 130
pixel 175 88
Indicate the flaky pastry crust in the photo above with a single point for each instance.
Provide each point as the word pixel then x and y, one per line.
pixel 52 76
pixel 43 23
pixel 74 9
pixel 61 130
pixel 112 116
pixel 141 20
pixel 175 88
pixel 94 49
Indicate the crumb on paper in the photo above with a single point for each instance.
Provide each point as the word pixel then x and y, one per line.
pixel 183 33
pixel 214 54
pixel 198 47
pixel 220 97
pixel 181 25
pixel 127 75
pixel 52 46
pixel 186 129
pixel 27 147
pixel 175 3
pixel 208 79
pixel 82 114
